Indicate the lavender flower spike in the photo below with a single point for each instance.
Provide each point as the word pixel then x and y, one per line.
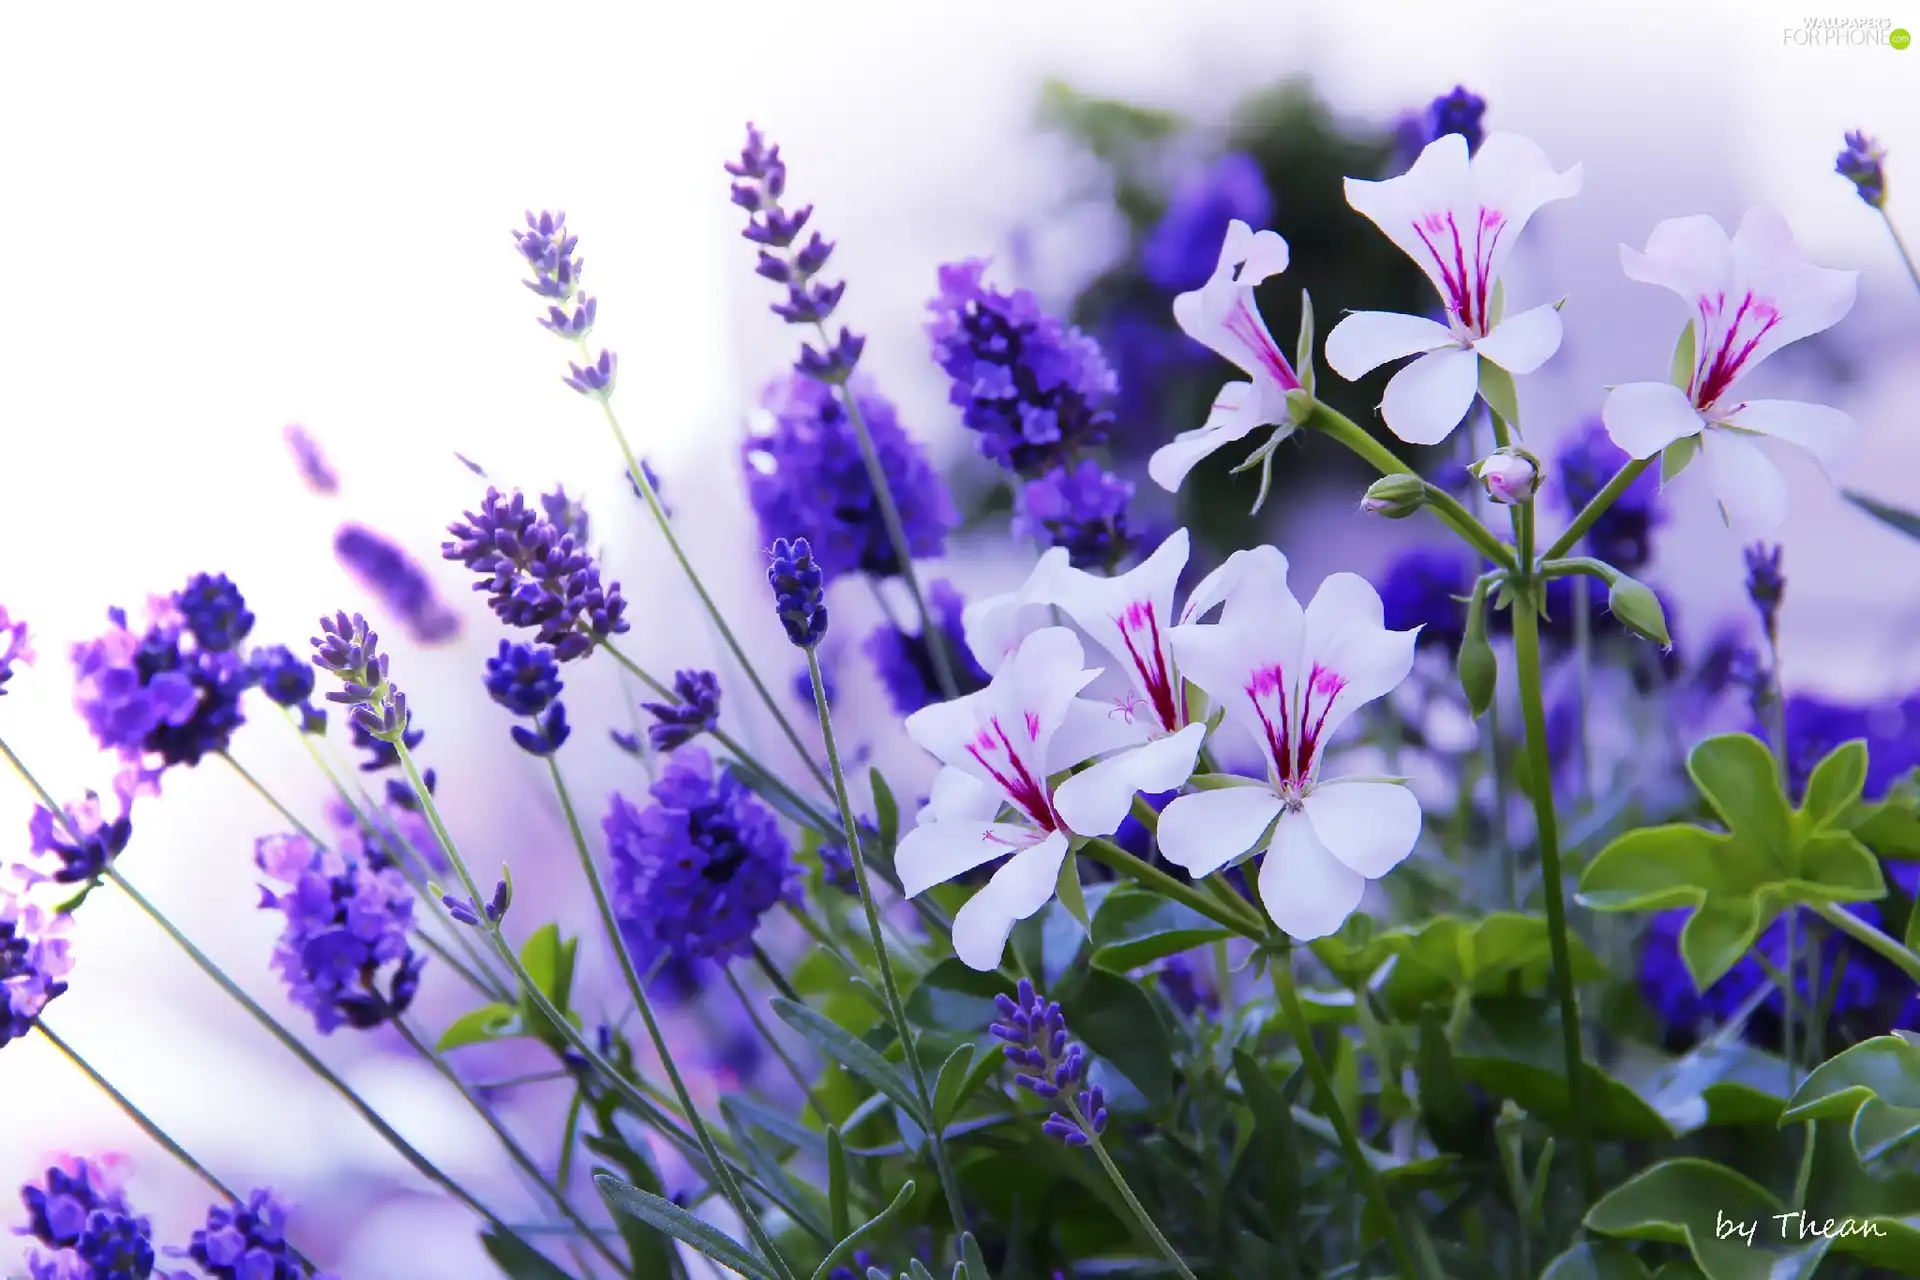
pixel 548 249
pixel 349 649
pixel 34 963
pixel 797 592
pixel 1864 164
pixel 1048 1063
pixel 694 711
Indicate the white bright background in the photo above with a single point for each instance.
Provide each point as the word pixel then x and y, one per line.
pixel 223 218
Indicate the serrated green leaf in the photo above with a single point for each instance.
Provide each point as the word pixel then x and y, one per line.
pixel 519 1260
pixel 1899 519
pixel 852 1053
pixel 950 1085
pixel 487 1023
pixel 1885 1069
pixel 844 1250
pixel 1705 1207
pixel 1717 935
pixel 1680 368
pixel 1496 388
pixel 1136 927
pixel 666 1216
pixel 1116 1021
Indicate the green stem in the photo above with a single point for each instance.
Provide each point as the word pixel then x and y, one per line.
pixel 1526 648
pixel 1140 1214
pixel 1109 854
pixel 777 978
pixel 1502 825
pixel 1899 244
pixel 896 1008
pixel 261 791
pixel 1382 459
pixel 146 1123
pixel 1622 480
pixel 932 633
pixel 1868 936
pixel 1362 1168
pixel 821 823
pixel 761 1029
pixel 686 566
pixel 515 1152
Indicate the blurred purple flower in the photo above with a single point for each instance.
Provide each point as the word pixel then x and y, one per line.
pixel 396 582
pixel 17 647
pixel 695 710
pixel 1623 536
pixel 34 963
pixel 246 1242
pixel 80 1212
pixel 1180 251
pixel 906 668
pixel 1082 507
pixel 314 468
pixel 1864 164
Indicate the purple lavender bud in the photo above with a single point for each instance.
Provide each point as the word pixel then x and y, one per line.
pixel 83 841
pixel 34 963
pixel 1457 112
pixel 548 734
pixel 1864 164
pixel 573 325
pixel 627 742
pixel 536 576
pixel 460 911
pixel 245 1242
pixel 16 648
pixel 836 364
pixel 596 380
pixel 283 677
pixel 347 924
pixel 1766 586
pixel 214 612
pixel 797 592
pixel 524 679
pixel 314 467
pixel 694 711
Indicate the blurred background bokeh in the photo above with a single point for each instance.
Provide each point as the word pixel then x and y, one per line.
pixel 225 219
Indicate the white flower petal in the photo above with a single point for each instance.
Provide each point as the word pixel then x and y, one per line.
pixel 1130 617
pixel 943 730
pixel 1645 417
pixel 1248 564
pixel 1823 432
pixel 1346 637
pixel 1691 256
pixel 1511 176
pixel 995 626
pixel 1522 343
pixel 1809 299
pixel 1090 728
pixel 1017 890
pixel 1095 801
pixel 957 795
pixel 1437 181
pixel 1264 256
pixel 1369 826
pixel 1365 340
pixel 1426 400
pixel 1238 411
pixel 1308 892
pixel 1751 490
pixel 939 851
pixel 1205 830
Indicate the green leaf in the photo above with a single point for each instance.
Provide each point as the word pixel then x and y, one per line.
pixel 1835 785
pixel 1136 927
pixel 1356 952
pixel 666 1216
pixel 549 962
pixel 1446 1106
pixel 519 1260
pixel 1496 388
pixel 1596 1260
pixel 487 1023
pixel 1875 1084
pixel 1512 1049
pixel 1115 1020
pixel 953 995
pixel 1899 519
pixel 1303 348
pixel 886 812
pixel 1497 305
pixel 1680 368
pixel 1281 1158
pixel 843 1047
pixel 1675 457
pixel 1708 1209
pixel 974 1260
pixel 842 1251
pixel 1738 777
pixel 1448 956
pixel 767 1167
pixel 950 1086
pixel 839 1216
pixel 1067 891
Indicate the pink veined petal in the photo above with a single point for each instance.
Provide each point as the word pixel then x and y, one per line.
pixel 1263 563
pixel 1030 695
pixel 1365 340
pixel 1249 663
pixel 1348 659
pixel 1426 400
pixel 1308 892
pixel 1092 728
pixel 1522 343
pixel 1809 299
pixel 1129 616
pixel 1645 417
pixel 1691 256
pixel 1095 801
pixel 1823 432
pixel 1205 830
pixel 943 730
pixel 1018 889
pixel 1751 490
pixel 1512 177
pixel 939 851
pixel 1369 826
pixel 1437 182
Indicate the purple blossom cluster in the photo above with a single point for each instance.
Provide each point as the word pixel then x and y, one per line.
pixel 80 1213
pixel 1080 506
pixel 1181 250
pixel 1459 111
pixel 1049 1064
pixel 81 841
pixel 550 253
pixel 536 575
pixel 905 666
pixel 172 691
pixel 246 1242
pixel 525 679
pixel 1623 535
pixel 695 710
pixel 696 870
pixel 34 964
pixel 760 182
pixel 799 586
pixel 805 471
pixel 344 952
